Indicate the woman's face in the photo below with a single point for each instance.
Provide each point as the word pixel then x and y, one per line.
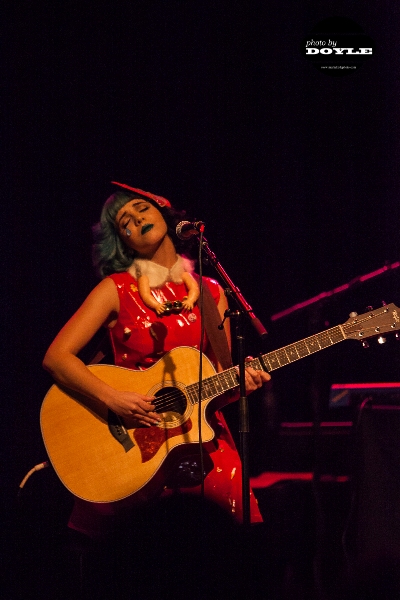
pixel 145 223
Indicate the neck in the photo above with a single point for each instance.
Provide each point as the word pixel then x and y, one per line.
pixel 164 255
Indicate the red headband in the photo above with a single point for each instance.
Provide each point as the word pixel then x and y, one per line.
pixel 158 199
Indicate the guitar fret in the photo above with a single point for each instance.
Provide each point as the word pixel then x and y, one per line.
pixel 336 334
pixel 231 379
pixel 217 386
pixel 323 340
pixel 267 362
pixel 283 356
pixel 193 393
pixel 312 344
pixel 193 396
pixel 221 382
pixel 224 381
pixel 273 359
pixel 255 364
pixel 292 352
pixel 207 388
pixel 302 349
pixel 213 386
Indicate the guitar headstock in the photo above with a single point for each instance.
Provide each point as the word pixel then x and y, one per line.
pixel 372 323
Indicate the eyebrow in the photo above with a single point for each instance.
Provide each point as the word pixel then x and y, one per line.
pixel 137 203
pixel 121 217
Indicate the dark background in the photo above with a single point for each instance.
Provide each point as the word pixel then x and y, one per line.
pixel 212 105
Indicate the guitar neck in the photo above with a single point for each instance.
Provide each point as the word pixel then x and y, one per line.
pixel 357 327
pixel 227 380
pixel 288 354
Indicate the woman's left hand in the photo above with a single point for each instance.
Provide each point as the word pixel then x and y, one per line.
pixel 254 379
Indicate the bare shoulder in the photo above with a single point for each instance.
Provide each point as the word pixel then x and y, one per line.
pixel 99 308
pixel 102 301
pixel 105 290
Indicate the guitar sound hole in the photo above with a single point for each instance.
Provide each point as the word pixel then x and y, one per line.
pixel 171 402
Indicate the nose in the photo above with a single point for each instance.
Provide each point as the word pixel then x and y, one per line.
pixel 139 219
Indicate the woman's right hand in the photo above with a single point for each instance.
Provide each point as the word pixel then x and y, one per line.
pixel 137 407
pixel 100 308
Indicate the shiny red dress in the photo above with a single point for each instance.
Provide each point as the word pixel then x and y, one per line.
pixel 139 338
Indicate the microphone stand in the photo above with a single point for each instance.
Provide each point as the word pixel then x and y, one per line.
pixel 244 309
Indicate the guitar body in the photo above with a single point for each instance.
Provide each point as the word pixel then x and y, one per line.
pixel 100 459
pixel 91 462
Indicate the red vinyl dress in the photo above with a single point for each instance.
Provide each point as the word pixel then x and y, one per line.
pixel 139 339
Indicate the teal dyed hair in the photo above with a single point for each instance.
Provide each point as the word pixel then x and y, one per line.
pixel 110 254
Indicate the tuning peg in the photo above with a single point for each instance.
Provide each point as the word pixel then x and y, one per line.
pixel 381 340
pixel 369 308
pixel 397 335
pixel 365 344
pixel 384 303
pixel 353 314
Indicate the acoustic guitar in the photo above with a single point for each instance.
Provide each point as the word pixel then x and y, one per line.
pixel 100 457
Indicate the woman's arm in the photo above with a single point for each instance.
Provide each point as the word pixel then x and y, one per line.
pixel 100 308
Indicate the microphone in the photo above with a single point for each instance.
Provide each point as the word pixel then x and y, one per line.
pixel 187 229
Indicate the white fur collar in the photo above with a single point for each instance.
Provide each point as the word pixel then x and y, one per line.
pixel 159 275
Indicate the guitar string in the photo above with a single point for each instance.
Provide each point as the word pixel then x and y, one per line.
pixel 209 382
pixel 323 336
pixel 167 400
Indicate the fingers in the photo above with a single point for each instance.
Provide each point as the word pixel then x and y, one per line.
pixel 149 420
pixel 145 413
pixel 255 379
pixel 252 378
pixel 144 404
pixel 138 408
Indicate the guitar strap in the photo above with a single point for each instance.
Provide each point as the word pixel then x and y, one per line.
pixel 217 337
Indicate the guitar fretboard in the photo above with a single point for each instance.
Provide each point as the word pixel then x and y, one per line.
pixel 227 380
pixel 315 343
pixel 214 385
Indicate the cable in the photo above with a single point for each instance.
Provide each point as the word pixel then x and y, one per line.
pixel 39 467
pixel 201 349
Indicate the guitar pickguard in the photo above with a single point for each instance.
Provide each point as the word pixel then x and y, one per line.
pixel 150 439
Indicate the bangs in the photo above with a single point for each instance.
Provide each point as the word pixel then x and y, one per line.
pixel 114 204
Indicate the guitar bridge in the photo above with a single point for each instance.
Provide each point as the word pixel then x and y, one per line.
pixel 118 431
